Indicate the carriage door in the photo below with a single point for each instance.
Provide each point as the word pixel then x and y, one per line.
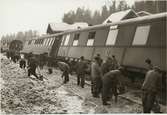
pixel 55 46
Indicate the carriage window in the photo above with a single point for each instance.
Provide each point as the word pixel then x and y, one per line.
pixel 62 42
pixel 32 42
pixel 29 42
pixel 67 38
pixel 76 38
pixel 42 40
pixel 141 35
pixel 51 39
pixel 36 41
pixel 39 41
pixel 91 38
pixel 112 37
pixel 45 42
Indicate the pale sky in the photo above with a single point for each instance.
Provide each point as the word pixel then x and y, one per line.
pixel 23 15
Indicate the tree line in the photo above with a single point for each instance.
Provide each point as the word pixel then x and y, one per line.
pixel 23 36
pixel 97 17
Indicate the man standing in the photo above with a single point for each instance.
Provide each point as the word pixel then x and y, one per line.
pixel 96 75
pixel 107 66
pixel 110 81
pixel 81 71
pixel 115 62
pixel 32 65
pixel 22 62
pixel 100 59
pixel 65 68
pixel 149 64
pixel 150 87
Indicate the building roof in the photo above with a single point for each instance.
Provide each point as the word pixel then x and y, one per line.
pixel 60 27
pixel 118 16
pixel 143 13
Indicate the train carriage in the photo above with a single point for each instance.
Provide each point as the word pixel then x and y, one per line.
pixel 131 41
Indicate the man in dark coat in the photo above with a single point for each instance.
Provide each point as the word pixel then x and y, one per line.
pixel 115 63
pixel 29 56
pixel 22 63
pixel 149 64
pixel 32 65
pixel 8 54
pixel 150 88
pixel 107 65
pixel 41 61
pixel 110 81
pixel 100 60
pixel 81 71
pixel 65 68
pixel 96 77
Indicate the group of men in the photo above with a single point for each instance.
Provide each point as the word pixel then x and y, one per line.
pixel 105 78
pixel 13 55
pixel 31 65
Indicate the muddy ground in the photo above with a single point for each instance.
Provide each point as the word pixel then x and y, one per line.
pixel 21 94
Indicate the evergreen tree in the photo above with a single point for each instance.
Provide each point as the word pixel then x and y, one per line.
pixel 105 13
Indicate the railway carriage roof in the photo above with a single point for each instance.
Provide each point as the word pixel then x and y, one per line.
pixel 128 21
pixel 118 16
pixel 65 26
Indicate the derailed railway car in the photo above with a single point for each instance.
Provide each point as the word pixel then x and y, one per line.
pixel 131 41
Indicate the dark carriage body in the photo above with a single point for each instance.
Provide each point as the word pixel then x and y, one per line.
pixel 131 41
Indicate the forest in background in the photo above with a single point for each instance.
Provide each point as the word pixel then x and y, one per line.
pixel 23 36
pixel 96 17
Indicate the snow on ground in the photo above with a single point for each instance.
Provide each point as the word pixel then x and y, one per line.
pixel 21 94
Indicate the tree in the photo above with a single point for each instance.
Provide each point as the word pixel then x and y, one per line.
pixel 79 15
pixel 161 6
pixel 69 17
pixel 105 13
pixel 96 18
pixel 112 8
pixel 122 6
pixel 150 6
pixel 87 16
pixel 20 36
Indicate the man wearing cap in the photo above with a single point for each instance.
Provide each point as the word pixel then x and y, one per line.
pixel 81 71
pixel 150 88
pixel 96 76
pixel 110 81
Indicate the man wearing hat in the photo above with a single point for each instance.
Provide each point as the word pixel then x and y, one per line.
pixel 150 88
pixel 81 71
pixel 110 81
